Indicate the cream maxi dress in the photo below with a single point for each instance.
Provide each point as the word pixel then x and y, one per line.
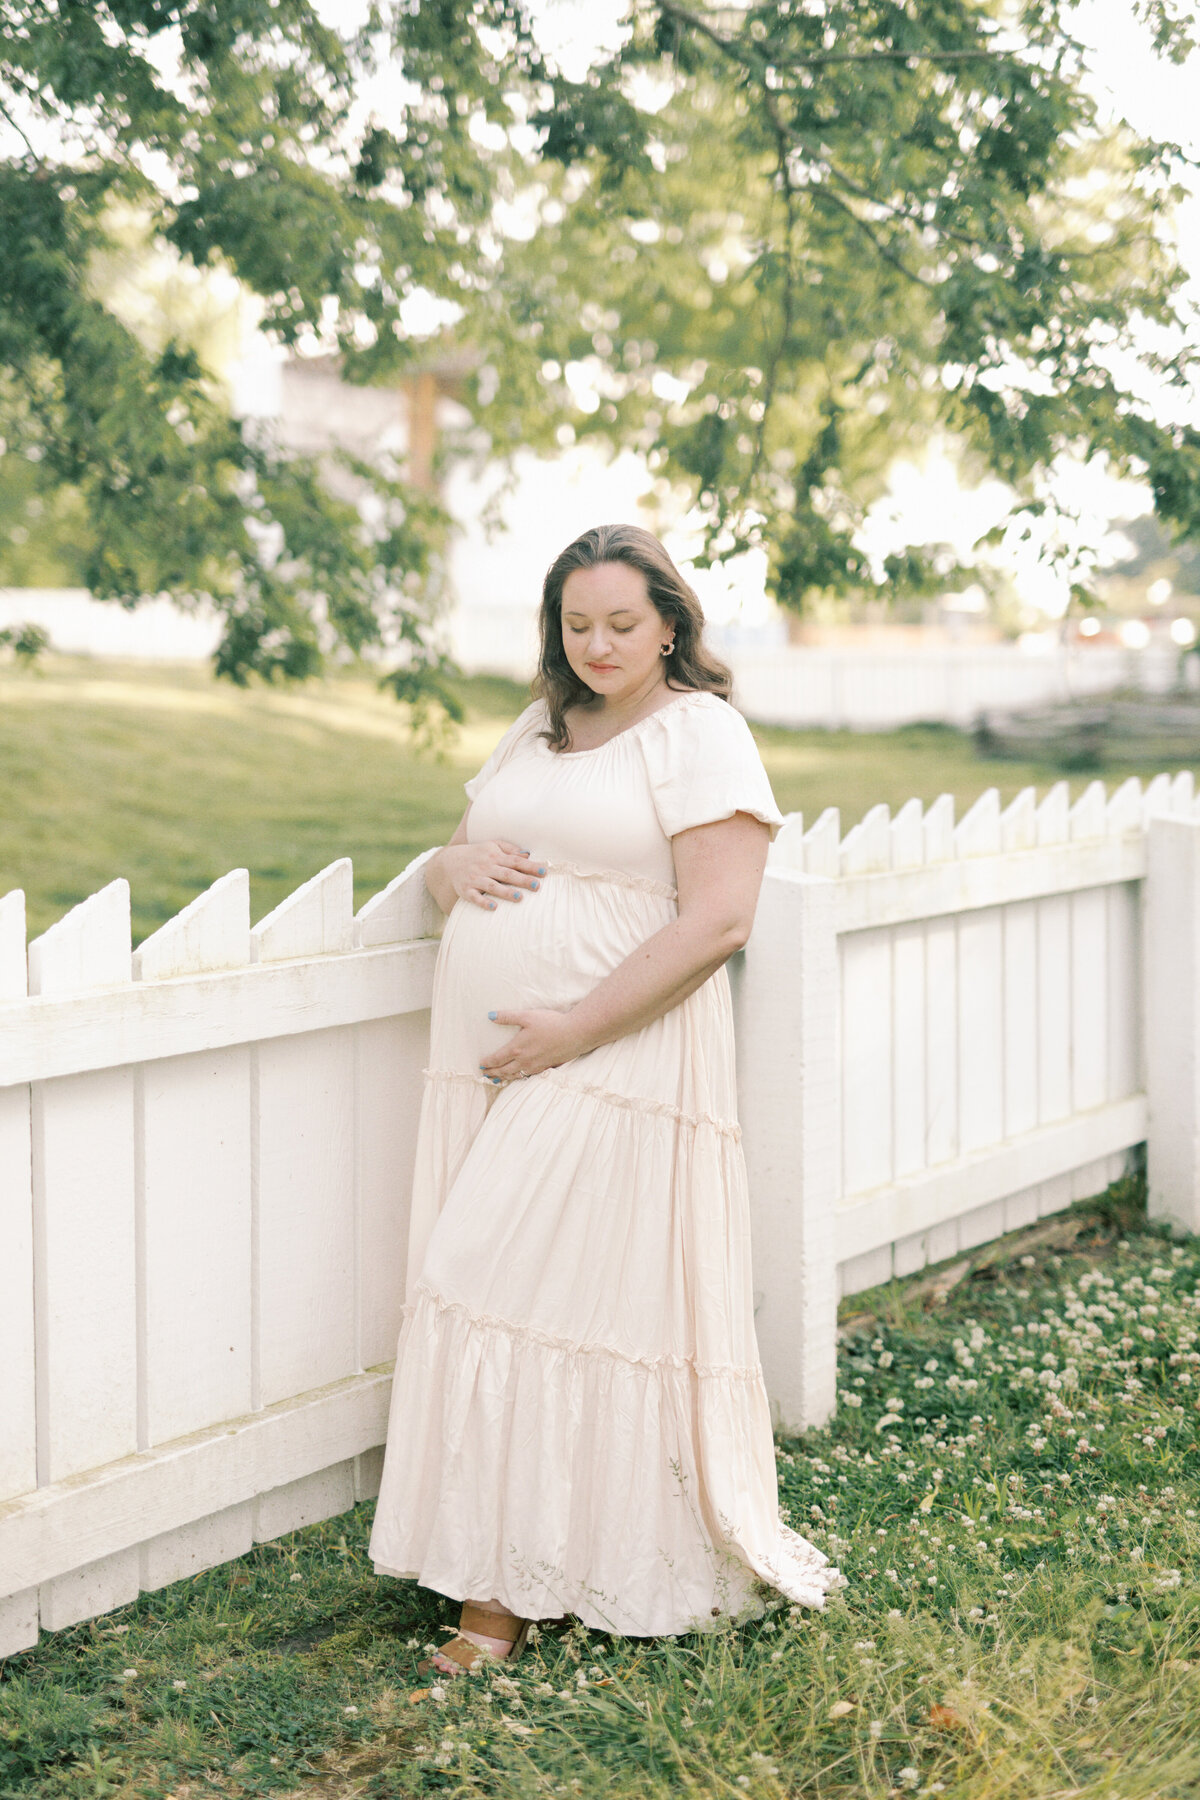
pixel 578 1422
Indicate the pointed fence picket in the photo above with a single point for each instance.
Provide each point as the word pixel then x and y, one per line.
pixel 945 1030
pixel 194 1228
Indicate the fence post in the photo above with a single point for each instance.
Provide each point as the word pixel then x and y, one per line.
pixel 1171 965
pixel 788 1103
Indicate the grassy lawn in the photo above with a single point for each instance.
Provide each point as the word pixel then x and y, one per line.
pixel 170 778
pixel 1011 1487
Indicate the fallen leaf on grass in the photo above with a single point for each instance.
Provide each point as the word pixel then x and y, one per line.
pixel 417 1695
pixel 945 1718
pixel 840 1708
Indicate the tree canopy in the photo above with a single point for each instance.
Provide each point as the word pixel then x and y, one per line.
pixel 771 245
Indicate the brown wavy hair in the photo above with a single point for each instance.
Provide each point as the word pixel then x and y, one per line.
pixel 690 668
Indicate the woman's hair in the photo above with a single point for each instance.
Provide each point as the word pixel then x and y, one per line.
pixel 690 665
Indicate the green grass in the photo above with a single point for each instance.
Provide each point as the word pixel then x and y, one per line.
pixel 170 778
pixel 1013 1501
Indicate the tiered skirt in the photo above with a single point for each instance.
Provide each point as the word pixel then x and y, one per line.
pixel 578 1420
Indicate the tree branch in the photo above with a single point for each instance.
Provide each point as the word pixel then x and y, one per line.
pixel 771 372
pixel 889 256
pixel 4 112
pixel 750 56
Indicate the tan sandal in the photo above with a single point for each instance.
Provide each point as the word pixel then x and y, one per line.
pixel 469 1656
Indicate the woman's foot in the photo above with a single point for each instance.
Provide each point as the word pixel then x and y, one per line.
pixel 456 1657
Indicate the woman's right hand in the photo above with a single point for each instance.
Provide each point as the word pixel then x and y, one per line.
pixel 490 872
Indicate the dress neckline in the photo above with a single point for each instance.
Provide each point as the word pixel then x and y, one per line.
pixel 594 749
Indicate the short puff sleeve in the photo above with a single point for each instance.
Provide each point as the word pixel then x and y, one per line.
pixel 531 721
pixel 704 765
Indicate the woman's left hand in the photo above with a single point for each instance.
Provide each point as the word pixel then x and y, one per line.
pixel 541 1040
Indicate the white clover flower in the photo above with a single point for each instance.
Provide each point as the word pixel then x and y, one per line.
pixel 295 1578
pixel 128 1674
pixel 886 1359
pixel 179 1686
pixel 876 1728
pixel 437 1692
pixel 351 1712
pixel 908 1777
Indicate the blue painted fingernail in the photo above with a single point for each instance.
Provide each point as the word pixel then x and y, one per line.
pixel 491 906
pixel 542 870
pixel 491 1015
pixel 495 1080
pixel 534 885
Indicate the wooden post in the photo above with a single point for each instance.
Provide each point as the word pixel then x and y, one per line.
pixel 1171 967
pixel 788 1103
pixel 18 1431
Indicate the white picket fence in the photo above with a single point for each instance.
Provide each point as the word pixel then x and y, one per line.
pixel 205 1151
pixel 857 688
pixel 877 690
pixel 205 1147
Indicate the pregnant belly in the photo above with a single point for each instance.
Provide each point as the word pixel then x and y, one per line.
pixel 547 950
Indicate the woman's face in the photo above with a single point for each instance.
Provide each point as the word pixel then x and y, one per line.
pixel 612 632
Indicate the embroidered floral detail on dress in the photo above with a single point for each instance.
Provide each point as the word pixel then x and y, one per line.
pixel 562 1346
pixel 662 1109
pixel 642 884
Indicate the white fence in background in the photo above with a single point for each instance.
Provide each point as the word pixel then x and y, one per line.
pixel 786 684
pixel 856 689
pixel 157 630
pixel 874 690
pixel 205 1147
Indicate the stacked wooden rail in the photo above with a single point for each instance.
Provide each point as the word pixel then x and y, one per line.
pixel 944 1030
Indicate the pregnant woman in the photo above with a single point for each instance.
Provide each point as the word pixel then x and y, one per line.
pixel 578 1421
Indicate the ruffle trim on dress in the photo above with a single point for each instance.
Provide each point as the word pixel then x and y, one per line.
pixel 629 1102
pixel 547 1340
pixel 642 884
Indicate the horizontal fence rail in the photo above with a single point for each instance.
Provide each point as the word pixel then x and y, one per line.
pixel 945 1029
